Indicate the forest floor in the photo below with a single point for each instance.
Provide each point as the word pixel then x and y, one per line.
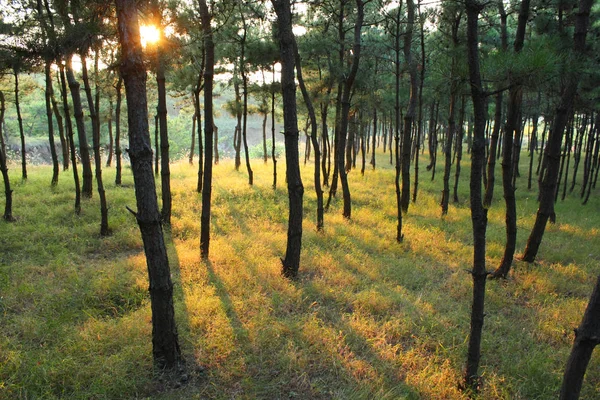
pixel 368 318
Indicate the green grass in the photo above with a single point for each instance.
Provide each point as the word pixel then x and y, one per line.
pixel 367 319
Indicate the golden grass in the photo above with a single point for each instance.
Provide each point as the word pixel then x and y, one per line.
pixel 368 318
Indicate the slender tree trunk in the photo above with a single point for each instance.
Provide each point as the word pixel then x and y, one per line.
pixel 209 48
pixel 587 337
pixel 4 169
pixel 594 165
pixel 478 212
pixel 216 143
pixel 193 145
pixel 84 152
pixel 61 132
pixel 347 88
pixel 245 106
pixel 291 262
pixel 420 115
pixel 156 146
pixel 161 110
pixel 532 147
pixel 548 189
pixel 55 167
pixel 587 163
pixel 200 182
pixel 542 148
pixel 165 344
pixel 491 165
pixel 71 140
pixel 374 138
pixel 118 132
pixel 448 147
pixel 577 154
pixel 459 140
pixel 313 137
pixel 21 131
pixel 104 230
pixel 110 133
pixel 571 132
pixel 273 156
pixel 326 158
pixel 409 118
pixel 237 139
pixel 513 123
pixel 264 135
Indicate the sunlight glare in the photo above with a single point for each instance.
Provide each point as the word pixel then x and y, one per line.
pixel 149 35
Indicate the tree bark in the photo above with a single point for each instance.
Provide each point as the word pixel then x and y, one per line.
pixel 4 169
pixel 291 262
pixel 165 344
pixel 313 137
pixel 71 140
pixel 21 131
pixel 209 53
pixel 409 117
pixel 104 230
pixel 165 171
pixel 587 337
pixel 478 212
pixel 345 111
pixel 55 167
pixel 548 187
pixel 84 152
pixel 513 123
pixel 118 151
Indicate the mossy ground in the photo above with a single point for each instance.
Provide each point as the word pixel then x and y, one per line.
pixel 368 318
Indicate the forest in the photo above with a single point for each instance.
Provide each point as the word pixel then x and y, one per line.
pixel 238 199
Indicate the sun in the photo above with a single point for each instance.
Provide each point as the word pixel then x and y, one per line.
pixel 149 35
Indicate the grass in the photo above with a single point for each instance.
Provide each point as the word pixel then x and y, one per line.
pixel 367 319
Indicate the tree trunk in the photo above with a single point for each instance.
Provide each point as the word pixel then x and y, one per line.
pixel 374 138
pixel 69 127
pixel 420 115
pixel 478 212
pixel 532 146
pixel 587 337
pixel 110 133
pixel 313 137
pixel 55 168
pixel 291 262
pixel 104 231
pixel 209 51
pixel 4 169
pixel 156 146
pixel 513 123
pixel 245 105
pixel 216 143
pixel 577 155
pixel 264 135
pixel 165 344
pixel 412 105
pixel 118 132
pixel 61 132
pixel 21 131
pixel 84 152
pixel 345 111
pixel 459 149
pixel 193 145
pixel 273 156
pixel 165 171
pixel 548 188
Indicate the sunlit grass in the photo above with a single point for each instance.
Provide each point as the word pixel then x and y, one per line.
pixel 367 318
